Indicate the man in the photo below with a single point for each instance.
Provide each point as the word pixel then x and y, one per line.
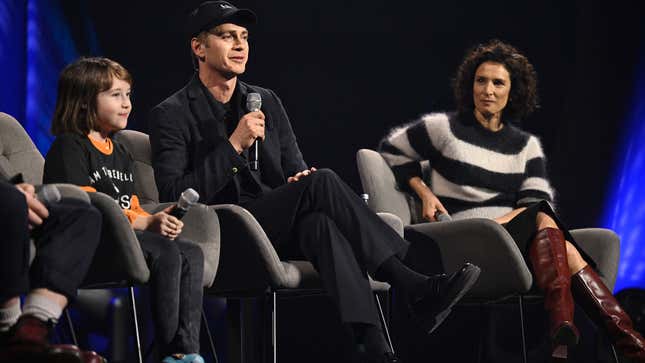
pixel 201 137
pixel 66 235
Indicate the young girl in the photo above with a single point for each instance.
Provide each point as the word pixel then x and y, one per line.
pixel 93 103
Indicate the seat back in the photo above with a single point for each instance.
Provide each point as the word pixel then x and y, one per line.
pixel 18 154
pixel 138 144
pixel 379 183
pixel 201 222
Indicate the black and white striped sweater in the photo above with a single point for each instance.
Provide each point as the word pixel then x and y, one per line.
pixel 475 172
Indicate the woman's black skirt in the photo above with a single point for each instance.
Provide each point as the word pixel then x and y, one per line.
pixel 523 228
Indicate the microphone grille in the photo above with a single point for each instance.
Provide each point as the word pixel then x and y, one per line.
pixel 49 194
pixel 190 196
pixel 253 101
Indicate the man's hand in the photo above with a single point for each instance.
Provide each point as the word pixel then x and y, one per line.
pixel 300 174
pixel 165 224
pixel 37 211
pixel 250 127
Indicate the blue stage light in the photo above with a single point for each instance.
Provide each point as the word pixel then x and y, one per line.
pixel 626 206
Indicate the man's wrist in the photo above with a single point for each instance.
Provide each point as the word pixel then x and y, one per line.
pixel 238 148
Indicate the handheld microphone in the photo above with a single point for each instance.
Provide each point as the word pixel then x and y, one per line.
pixel 254 103
pixel 442 217
pixel 48 194
pixel 186 200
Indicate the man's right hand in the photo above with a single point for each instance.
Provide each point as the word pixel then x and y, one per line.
pixel 250 127
pixel 37 211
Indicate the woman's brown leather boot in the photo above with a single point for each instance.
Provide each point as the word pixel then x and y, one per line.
pixel 599 303
pixel 548 255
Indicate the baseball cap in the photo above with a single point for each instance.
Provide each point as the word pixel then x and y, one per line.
pixel 212 13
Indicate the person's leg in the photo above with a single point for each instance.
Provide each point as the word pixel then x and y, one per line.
pixel 598 302
pixel 164 262
pixel 323 244
pixel 14 254
pixel 372 241
pixel 600 305
pixel 65 245
pixel 190 299
pixel 173 280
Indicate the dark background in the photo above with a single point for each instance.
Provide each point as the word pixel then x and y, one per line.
pixel 347 71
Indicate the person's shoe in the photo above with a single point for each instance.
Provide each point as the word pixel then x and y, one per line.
pixel 442 293
pixel 600 305
pixel 28 341
pixel 183 358
pixel 90 356
pixel 548 256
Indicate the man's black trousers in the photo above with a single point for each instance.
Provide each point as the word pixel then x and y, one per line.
pixel 321 219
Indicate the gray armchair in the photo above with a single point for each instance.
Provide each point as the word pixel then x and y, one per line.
pixel 119 245
pixel 480 241
pixel 249 265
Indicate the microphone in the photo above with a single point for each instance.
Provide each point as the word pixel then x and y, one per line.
pixel 442 217
pixel 186 200
pixel 254 103
pixel 48 194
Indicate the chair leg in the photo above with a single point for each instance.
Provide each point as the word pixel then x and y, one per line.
pixel 136 324
pixel 613 353
pixel 383 322
pixel 274 323
pixel 521 306
pixel 70 326
pixel 210 336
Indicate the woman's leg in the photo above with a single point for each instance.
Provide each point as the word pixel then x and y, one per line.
pixel 551 270
pixel 598 302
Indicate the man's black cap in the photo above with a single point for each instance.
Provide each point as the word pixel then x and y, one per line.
pixel 213 13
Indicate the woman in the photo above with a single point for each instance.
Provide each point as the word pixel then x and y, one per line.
pixel 94 102
pixel 483 165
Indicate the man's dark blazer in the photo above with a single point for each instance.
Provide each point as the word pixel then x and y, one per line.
pixel 190 147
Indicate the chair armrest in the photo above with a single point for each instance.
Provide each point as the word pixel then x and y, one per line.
pixel 118 259
pixel 70 191
pixel 248 259
pixel 482 242
pixel 603 245
pixel 201 226
pixel 393 221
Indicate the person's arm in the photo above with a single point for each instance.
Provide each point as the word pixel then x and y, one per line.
pixel 67 162
pixel 400 149
pixel 536 186
pixel 171 153
pixel 292 160
pixel 430 203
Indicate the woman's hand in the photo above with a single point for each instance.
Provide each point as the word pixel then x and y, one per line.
pixel 165 224
pixel 431 204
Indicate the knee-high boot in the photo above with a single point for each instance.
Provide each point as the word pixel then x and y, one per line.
pixel 548 256
pixel 598 302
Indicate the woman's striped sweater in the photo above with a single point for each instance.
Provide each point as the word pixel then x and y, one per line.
pixel 475 172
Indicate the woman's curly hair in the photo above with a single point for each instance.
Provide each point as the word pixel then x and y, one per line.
pixel 523 99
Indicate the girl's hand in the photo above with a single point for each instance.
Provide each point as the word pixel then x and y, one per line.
pixel 165 224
